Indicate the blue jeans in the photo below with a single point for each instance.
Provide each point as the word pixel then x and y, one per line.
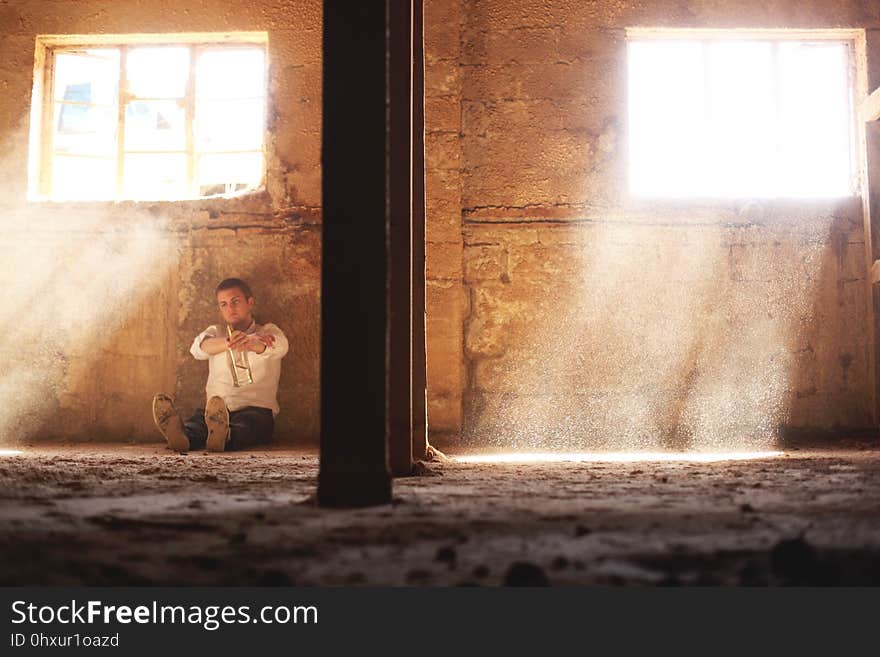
pixel 248 427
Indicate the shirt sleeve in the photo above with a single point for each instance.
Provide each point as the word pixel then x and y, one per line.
pixel 277 350
pixel 196 349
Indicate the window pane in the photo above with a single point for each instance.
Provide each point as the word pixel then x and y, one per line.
pixel 739 118
pixel 219 174
pixel 155 176
pixel 741 147
pixel 814 130
pixel 228 125
pixel 155 125
pixel 231 73
pixel 667 115
pixel 87 76
pixel 83 178
pixel 168 152
pixel 159 72
pixel 85 129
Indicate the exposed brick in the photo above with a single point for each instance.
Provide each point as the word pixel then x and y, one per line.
pixel 442 151
pixel 444 414
pixel 442 113
pixel 442 78
pixel 443 260
pixel 442 223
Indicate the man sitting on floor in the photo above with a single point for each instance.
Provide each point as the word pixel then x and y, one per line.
pixel 242 400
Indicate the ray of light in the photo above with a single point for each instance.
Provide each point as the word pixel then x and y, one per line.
pixel 614 457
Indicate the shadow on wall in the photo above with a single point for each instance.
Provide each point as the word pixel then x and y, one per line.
pixel 830 393
pixel 633 335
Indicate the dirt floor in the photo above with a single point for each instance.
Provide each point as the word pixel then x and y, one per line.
pixel 139 515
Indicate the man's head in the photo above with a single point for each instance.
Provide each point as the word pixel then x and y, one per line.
pixel 236 303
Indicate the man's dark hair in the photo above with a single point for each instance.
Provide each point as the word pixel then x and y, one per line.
pixel 230 283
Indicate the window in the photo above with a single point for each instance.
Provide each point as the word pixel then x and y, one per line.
pixel 736 115
pixel 149 120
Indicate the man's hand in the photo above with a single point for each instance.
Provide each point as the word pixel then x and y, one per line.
pixel 266 338
pixel 256 342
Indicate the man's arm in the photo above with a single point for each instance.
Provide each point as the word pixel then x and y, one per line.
pixel 197 348
pixel 214 345
pixel 270 340
pixel 255 342
pixel 274 340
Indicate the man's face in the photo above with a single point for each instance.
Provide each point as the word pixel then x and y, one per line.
pixel 237 311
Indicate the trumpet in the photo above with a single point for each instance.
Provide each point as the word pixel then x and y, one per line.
pixel 238 365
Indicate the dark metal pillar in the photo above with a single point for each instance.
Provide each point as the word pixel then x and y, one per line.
pixel 400 198
pixel 354 277
pixel 419 351
pixel 871 206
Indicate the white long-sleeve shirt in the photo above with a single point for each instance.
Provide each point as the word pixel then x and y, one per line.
pixel 265 368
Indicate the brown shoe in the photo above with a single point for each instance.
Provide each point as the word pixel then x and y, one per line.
pixel 168 422
pixel 217 419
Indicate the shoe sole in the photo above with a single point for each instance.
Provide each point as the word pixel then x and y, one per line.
pixel 168 422
pixel 217 420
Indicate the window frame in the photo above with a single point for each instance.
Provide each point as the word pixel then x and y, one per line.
pixel 43 104
pixel 855 41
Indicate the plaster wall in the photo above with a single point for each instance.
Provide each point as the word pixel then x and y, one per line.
pixel 595 320
pixel 108 296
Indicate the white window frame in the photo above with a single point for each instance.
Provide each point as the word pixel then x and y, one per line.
pixel 43 101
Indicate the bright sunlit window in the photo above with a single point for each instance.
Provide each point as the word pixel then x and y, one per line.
pixel 146 120
pixel 741 116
